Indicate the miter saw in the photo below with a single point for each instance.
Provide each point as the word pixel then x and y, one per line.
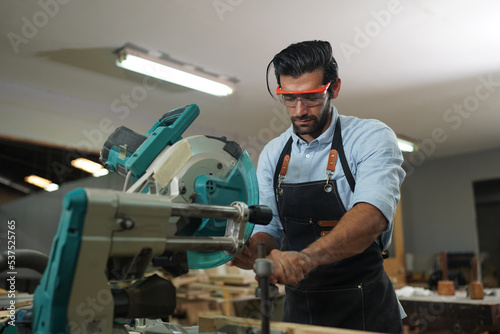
pixel 186 203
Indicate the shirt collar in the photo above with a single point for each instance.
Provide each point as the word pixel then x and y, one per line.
pixel 325 138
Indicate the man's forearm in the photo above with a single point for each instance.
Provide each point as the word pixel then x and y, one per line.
pixel 355 232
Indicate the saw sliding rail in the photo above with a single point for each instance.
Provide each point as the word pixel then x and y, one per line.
pixel 237 215
pixel 129 209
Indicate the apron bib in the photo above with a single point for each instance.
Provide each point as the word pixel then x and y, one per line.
pixel 354 293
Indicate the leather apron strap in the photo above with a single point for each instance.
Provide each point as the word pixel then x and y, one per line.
pixel 337 145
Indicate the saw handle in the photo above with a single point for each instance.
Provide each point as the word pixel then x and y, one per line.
pixel 260 214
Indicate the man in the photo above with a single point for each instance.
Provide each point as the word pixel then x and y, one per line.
pixel 333 184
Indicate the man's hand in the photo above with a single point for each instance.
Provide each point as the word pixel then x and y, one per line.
pixel 247 257
pixel 290 267
pixel 249 254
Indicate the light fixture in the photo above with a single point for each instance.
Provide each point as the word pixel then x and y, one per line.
pixel 160 66
pixel 406 145
pixel 89 166
pixel 38 181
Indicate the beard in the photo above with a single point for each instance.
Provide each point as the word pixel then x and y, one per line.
pixel 317 125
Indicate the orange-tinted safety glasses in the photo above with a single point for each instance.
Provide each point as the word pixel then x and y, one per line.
pixel 320 90
pixel 309 98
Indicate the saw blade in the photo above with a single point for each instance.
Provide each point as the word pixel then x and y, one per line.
pixel 206 170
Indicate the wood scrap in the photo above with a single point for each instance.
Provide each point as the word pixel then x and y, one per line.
pixel 194 294
pixel 186 280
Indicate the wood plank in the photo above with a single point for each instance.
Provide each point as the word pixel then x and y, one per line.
pixel 235 279
pixel 209 324
pixel 217 287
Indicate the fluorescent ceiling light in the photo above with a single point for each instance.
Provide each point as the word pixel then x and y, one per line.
pixel 100 172
pixel 51 187
pixel 177 73
pixel 41 182
pixel 90 167
pixel 406 145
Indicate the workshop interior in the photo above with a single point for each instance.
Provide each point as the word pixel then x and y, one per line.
pixel 130 136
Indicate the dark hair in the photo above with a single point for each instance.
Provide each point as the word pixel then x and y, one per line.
pixel 304 57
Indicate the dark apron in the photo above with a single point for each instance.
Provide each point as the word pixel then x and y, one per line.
pixel 354 293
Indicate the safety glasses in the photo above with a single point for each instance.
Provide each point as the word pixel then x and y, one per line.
pixel 309 98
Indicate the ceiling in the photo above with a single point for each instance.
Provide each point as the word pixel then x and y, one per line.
pixel 20 158
pixel 429 69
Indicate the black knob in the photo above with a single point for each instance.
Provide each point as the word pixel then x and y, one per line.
pixel 260 214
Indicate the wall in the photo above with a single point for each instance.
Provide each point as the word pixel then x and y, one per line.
pixel 37 216
pixel 438 205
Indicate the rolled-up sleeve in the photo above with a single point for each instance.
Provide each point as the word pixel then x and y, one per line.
pixel 379 174
pixel 265 176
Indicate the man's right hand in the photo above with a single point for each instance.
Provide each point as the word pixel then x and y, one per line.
pixel 246 259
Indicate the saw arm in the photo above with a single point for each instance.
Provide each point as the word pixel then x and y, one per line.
pixel 198 169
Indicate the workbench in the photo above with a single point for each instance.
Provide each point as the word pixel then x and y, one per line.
pixel 456 313
pixel 211 324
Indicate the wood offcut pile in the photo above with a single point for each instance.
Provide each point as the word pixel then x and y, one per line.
pixel 203 293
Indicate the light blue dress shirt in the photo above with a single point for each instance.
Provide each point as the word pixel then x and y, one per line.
pixel 373 156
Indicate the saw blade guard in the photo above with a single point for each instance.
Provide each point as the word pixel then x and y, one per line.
pixel 241 183
pixel 209 170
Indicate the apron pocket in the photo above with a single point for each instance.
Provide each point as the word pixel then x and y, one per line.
pixel 340 307
pixel 300 231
